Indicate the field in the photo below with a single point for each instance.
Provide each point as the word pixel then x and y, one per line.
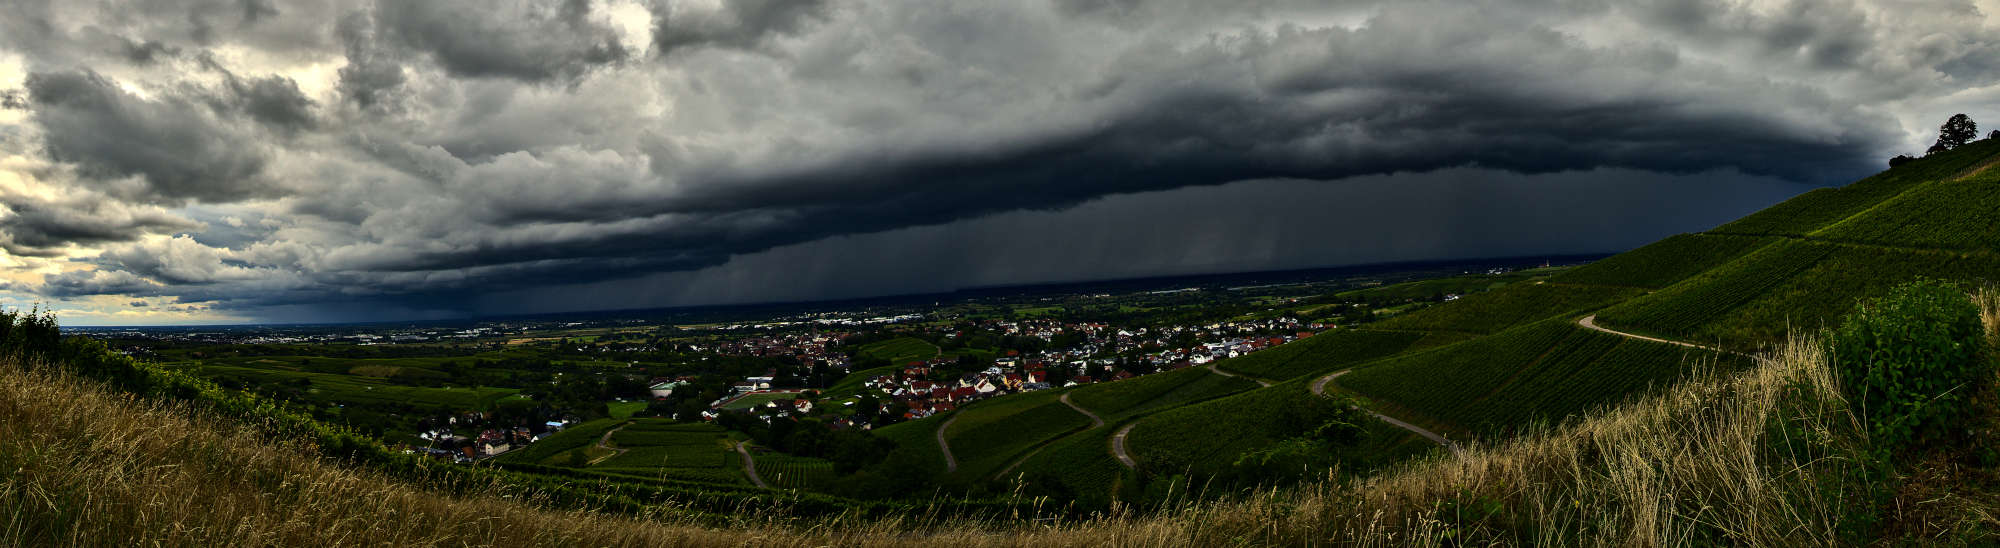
pixel 1514 305
pixel 1116 401
pixel 1540 372
pixel 917 450
pixel 851 385
pixel 792 472
pixel 990 434
pixel 1424 289
pixel 901 351
pixel 332 387
pixel 554 447
pixel 1664 262
pixel 657 448
pixel 1329 351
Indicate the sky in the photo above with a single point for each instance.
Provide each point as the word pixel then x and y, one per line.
pixel 236 161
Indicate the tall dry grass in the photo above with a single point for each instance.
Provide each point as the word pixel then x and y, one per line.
pixel 1754 458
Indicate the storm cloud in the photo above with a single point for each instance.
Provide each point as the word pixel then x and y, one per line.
pixel 262 156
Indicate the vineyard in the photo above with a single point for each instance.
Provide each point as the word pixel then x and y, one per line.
pixel 1517 304
pixel 916 444
pixel 1330 351
pixel 792 472
pixel 1813 210
pixel 1662 263
pixel 901 351
pixel 1963 216
pixel 1079 468
pixel 560 443
pixel 1543 371
pixel 989 435
pixel 1680 310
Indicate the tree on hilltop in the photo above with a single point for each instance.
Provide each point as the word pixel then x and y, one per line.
pixel 1994 135
pixel 1901 159
pixel 1956 132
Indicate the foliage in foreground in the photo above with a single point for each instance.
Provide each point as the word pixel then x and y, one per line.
pixel 1770 456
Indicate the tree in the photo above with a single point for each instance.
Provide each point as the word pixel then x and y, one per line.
pixel 1901 159
pixel 1994 135
pixel 1957 131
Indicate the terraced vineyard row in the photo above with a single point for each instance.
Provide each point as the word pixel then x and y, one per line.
pixel 989 435
pixel 1664 262
pixel 1329 351
pixel 1543 371
pixel 1517 304
pixel 1678 311
pixel 1940 215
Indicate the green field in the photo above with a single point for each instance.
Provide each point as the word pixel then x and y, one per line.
pixel 1330 351
pixel 901 351
pixel 988 435
pixel 1514 305
pixel 343 388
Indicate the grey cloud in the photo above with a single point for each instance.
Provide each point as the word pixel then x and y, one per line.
pixel 39 228
pixel 137 304
pixel 275 101
pixel 528 41
pixel 466 149
pixel 176 147
pixel 740 24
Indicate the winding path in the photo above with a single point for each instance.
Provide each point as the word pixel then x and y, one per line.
pixel 1118 446
pixel 750 466
pixel 1590 322
pixel 1095 421
pixel 1319 389
pixel 605 443
pixel 1213 369
pixel 950 462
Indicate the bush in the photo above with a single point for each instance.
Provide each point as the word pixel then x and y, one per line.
pixel 1911 361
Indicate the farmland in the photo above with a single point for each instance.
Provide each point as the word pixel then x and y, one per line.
pixel 993 433
pixel 901 351
pixel 1514 305
pixel 1331 351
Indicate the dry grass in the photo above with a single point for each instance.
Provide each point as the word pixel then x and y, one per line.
pixel 1736 459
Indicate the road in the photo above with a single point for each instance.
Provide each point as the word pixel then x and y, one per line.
pixel 1118 446
pixel 1212 368
pixel 950 462
pixel 750 466
pixel 1319 388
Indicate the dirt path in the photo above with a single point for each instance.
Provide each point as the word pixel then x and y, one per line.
pixel 1590 322
pixel 950 462
pixel 605 443
pixel 1118 446
pixel 1095 421
pixel 1319 388
pixel 1213 369
pixel 750 466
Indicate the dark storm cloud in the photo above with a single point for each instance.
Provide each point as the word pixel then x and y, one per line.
pixel 425 153
pixel 526 41
pixel 31 227
pixel 275 101
pixel 739 24
pixel 176 146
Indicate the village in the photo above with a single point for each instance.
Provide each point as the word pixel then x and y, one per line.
pixel 920 388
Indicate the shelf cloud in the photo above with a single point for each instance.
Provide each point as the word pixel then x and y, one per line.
pixel 268 159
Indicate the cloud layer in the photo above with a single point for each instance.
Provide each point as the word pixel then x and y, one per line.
pixel 270 158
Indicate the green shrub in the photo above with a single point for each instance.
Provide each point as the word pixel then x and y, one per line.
pixel 1910 362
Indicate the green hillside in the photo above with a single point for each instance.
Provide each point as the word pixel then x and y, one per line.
pixel 1494 362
